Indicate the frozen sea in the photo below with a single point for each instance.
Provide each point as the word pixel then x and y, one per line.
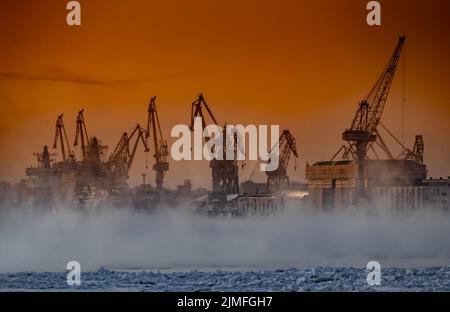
pixel 326 279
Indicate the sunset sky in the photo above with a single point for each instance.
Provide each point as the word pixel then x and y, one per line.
pixel 304 65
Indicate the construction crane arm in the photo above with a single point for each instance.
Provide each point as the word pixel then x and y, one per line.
pixel 140 137
pixel 371 108
pixel 209 110
pixel 121 147
pixel 286 144
pixel 196 111
pixel 378 95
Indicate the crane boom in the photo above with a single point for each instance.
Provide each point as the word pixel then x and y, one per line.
pixel 140 137
pixel 61 134
pixel 118 160
pixel 369 113
pixel 196 111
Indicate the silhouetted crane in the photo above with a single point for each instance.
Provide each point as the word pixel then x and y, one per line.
pixel 225 173
pixel 196 111
pixel 122 157
pixel 82 134
pixel 64 142
pixel 364 128
pixel 161 150
pixel 278 178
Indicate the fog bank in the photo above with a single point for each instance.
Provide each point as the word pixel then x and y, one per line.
pixel 125 240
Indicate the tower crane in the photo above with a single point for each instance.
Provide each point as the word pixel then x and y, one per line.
pixel 225 173
pixel 363 131
pixel 161 149
pixel 285 146
pixel 61 134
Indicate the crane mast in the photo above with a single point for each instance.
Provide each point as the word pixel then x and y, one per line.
pixel 161 149
pixel 363 130
pixel 278 178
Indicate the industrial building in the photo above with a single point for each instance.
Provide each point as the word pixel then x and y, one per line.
pixel 332 184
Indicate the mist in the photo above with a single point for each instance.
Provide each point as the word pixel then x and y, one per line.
pixel 177 240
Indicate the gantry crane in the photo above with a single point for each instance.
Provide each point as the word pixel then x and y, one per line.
pixel 225 173
pixel 161 149
pixel 278 178
pixel 364 128
pixel 61 134
pixel 122 157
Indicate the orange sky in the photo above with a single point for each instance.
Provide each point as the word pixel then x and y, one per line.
pixel 301 64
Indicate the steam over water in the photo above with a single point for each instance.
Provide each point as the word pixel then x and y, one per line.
pixel 176 240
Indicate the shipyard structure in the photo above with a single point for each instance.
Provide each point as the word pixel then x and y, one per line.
pixel 367 172
pixel 97 178
pixel 362 173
